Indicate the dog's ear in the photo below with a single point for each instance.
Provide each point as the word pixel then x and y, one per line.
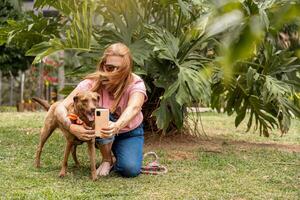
pixel 75 98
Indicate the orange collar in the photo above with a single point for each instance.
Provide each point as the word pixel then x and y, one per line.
pixel 75 119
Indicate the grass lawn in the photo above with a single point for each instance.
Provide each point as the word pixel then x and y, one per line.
pixel 228 164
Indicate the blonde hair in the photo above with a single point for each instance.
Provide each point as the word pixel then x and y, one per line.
pixel 116 81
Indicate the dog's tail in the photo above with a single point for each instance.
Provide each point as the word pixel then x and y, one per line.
pixel 42 102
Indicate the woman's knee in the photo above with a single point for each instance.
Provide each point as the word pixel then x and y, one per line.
pixel 130 170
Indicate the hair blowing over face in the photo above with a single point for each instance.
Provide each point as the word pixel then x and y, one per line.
pixel 115 82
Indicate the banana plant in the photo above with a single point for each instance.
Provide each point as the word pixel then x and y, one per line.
pixel 77 33
pixel 30 30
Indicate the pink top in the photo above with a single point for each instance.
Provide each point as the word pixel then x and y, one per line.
pixel 106 100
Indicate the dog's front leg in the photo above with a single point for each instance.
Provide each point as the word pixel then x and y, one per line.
pixel 65 161
pixel 74 154
pixel 92 155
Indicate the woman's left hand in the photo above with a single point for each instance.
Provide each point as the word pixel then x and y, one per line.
pixel 112 129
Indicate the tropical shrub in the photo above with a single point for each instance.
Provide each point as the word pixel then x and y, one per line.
pixel 253 74
pixel 191 52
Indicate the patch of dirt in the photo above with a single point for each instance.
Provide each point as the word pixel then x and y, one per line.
pixel 181 147
pixel 181 155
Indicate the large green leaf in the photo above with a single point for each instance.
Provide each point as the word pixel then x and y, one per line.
pixel 165 44
pixel 274 89
pixel 78 35
pixel 244 46
pixel 44 49
pixel 140 51
pixel 63 6
pixel 163 116
pixel 31 30
pixel 191 85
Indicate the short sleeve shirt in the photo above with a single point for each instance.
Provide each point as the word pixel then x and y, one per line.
pixel 106 100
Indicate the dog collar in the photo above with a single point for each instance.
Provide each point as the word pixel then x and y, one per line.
pixel 75 119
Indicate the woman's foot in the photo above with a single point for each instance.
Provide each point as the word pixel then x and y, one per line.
pixel 104 168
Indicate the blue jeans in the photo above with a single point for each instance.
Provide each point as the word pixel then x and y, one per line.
pixel 103 141
pixel 128 150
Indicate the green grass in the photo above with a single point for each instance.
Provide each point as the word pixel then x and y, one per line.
pixel 222 126
pixel 8 109
pixel 255 173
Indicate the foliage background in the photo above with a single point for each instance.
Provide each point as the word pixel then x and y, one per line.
pixel 224 54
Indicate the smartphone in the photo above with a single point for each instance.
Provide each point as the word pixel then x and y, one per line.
pixel 101 120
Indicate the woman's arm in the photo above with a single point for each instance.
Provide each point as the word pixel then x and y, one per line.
pixel 134 106
pixel 61 114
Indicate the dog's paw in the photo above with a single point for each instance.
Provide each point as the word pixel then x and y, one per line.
pixel 77 165
pixel 62 173
pixel 94 177
pixel 37 165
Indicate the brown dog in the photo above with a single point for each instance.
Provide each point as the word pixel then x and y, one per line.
pixel 80 111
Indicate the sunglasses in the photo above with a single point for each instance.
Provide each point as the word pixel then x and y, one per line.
pixel 110 68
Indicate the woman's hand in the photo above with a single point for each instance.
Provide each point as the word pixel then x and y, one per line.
pixel 81 133
pixel 112 129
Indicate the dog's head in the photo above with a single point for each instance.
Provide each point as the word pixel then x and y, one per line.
pixel 85 104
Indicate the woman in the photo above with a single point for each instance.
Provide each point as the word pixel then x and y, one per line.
pixel 124 93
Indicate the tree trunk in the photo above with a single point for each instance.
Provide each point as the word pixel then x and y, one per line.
pixel 11 96
pixel 47 91
pixel 61 81
pixel 0 87
pixel 22 86
pixel 41 81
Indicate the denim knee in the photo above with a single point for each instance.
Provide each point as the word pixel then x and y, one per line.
pixel 103 141
pixel 130 171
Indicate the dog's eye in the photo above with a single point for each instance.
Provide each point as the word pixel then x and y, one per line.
pixel 84 101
